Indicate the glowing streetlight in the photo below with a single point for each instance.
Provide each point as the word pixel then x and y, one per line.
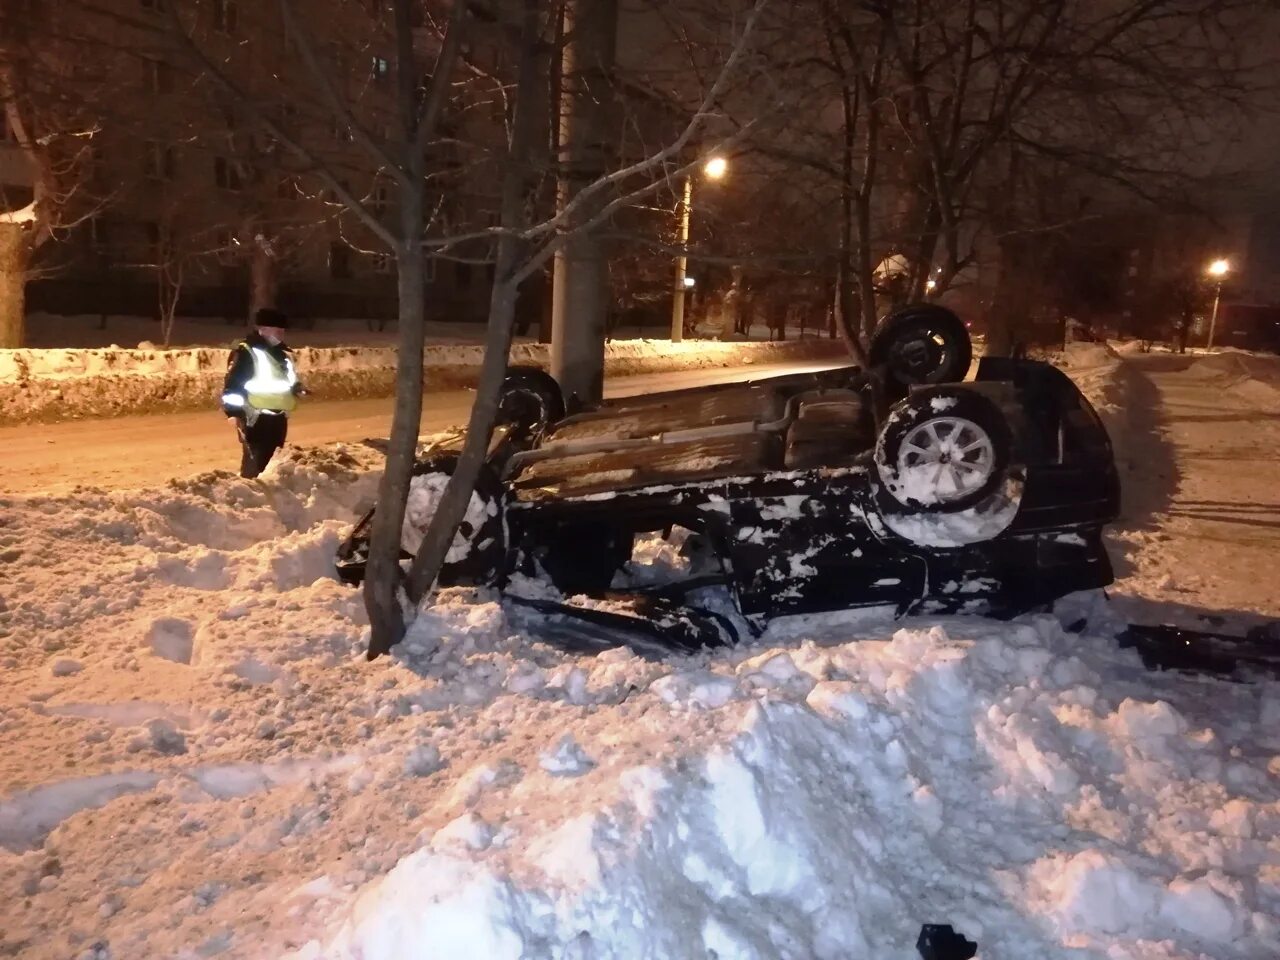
pixel 690 283
pixel 1218 270
pixel 714 169
pixel 930 285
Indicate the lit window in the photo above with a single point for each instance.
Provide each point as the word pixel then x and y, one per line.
pixel 381 68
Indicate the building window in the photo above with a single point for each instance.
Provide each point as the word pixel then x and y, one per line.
pixel 99 236
pixel 226 174
pixel 381 200
pixel 339 261
pixel 384 264
pixel 381 69
pixel 160 161
pixel 226 247
pixel 226 17
pixel 151 230
pixel 159 76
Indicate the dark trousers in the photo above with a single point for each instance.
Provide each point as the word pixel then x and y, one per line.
pixel 258 443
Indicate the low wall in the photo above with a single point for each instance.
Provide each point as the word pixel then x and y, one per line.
pixel 63 384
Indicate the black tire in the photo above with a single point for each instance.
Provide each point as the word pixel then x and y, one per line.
pixel 972 451
pixel 920 345
pixel 531 400
pixel 483 562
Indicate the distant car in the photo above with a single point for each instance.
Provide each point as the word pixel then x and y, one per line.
pixel 819 491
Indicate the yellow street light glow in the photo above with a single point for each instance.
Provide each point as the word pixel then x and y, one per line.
pixel 930 284
pixel 1219 268
pixel 715 168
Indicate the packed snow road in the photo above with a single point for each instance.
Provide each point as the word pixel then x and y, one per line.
pixel 1203 509
pixel 196 760
pixel 128 452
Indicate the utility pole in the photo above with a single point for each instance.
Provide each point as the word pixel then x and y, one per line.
pixel 682 265
pixel 1218 270
pixel 580 292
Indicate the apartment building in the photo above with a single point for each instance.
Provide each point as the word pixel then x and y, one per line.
pixel 182 184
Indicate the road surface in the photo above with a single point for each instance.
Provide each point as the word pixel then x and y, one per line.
pixel 1201 530
pixel 142 451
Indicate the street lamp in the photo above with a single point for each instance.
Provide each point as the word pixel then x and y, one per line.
pixel 1218 270
pixel 714 169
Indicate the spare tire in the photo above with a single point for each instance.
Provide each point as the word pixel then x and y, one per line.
pixel 920 345
pixel 944 449
pixel 531 400
pixel 479 548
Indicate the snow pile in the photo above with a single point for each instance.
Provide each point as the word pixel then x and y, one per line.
pixel 63 383
pixel 223 774
pixel 425 494
pixel 833 797
pixel 1252 377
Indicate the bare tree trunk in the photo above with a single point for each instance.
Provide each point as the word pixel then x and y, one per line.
pixel 15 253
pixel 580 297
pixel 1011 306
pixel 264 276
pixel 383 578
pixel 170 281
pixel 497 347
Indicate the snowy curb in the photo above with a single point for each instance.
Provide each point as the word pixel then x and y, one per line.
pixel 44 385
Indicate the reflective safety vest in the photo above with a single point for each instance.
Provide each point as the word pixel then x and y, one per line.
pixel 272 383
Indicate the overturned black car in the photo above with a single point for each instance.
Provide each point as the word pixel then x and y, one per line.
pixel 899 484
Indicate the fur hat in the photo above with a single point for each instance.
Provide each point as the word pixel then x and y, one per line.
pixel 271 317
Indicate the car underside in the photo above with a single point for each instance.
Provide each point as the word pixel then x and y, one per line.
pixel 903 484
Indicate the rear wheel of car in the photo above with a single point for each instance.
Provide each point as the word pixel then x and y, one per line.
pixel 943 449
pixel 920 345
pixel 531 400
pixel 476 556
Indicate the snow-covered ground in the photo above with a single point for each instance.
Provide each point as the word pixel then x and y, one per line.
pixel 90 330
pixel 62 384
pixel 196 760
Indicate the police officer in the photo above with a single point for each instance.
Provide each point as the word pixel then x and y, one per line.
pixel 261 388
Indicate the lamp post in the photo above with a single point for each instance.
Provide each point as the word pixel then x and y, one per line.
pixel 713 169
pixel 1218 270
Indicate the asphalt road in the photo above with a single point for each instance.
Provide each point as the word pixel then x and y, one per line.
pixel 140 451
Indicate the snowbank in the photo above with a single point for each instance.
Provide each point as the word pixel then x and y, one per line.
pixel 1252 377
pixel 66 383
pixel 198 761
